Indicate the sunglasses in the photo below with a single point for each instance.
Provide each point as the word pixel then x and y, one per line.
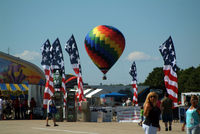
pixel 195 100
pixel 152 96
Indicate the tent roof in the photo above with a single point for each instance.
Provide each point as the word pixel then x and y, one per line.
pixel 106 89
pixel 13 87
pixel 16 70
pixel 191 93
pixel 113 94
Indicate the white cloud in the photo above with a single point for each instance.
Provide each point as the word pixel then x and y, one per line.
pixel 28 55
pixel 140 56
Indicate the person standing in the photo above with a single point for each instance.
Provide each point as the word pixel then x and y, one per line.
pixel 128 102
pixel 16 108
pixel 51 111
pixel 152 114
pixel 123 102
pixel 24 108
pixel 21 108
pixel 4 103
pixel 32 106
pixel 167 111
pixel 192 117
pixel 141 116
pixel 1 108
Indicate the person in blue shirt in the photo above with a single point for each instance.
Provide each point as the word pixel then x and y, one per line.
pixel 192 117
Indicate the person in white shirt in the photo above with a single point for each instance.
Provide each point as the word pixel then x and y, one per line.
pixel 51 111
pixel 1 107
pixel 128 102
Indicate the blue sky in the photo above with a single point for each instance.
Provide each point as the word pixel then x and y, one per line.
pixel 26 24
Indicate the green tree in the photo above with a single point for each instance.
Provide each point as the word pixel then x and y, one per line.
pixel 155 79
pixel 189 80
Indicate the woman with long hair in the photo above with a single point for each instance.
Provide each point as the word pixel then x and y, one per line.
pixel 152 114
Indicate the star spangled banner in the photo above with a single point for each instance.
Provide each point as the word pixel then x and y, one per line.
pixel 57 56
pixel 133 73
pixel 170 77
pixel 46 64
pixel 46 55
pixel 52 58
pixel 72 50
pixel 58 63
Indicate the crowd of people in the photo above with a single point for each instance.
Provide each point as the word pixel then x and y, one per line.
pixel 153 112
pixel 17 108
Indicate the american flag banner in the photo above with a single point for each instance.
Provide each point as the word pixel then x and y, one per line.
pixel 170 77
pixel 72 50
pixel 46 64
pixel 133 73
pixel 58 63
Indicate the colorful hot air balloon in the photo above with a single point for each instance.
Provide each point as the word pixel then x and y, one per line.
pixel 104 44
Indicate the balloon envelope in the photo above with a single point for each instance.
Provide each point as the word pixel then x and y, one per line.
pixel 104 44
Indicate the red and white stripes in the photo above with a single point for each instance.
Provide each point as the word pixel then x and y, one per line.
pixel 49 90
pixel 80 94
pixel 135 93
pixel 171 83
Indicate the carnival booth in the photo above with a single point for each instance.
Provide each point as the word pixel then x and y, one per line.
pixel 21 79
pixel 112 98
pixel 13 90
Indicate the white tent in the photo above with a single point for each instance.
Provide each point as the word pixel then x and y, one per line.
pixel 183 96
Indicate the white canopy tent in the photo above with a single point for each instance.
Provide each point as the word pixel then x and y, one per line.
pixel 183 96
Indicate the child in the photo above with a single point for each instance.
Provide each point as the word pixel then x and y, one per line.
pixel 141 115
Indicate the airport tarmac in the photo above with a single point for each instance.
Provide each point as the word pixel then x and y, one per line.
pixel 38 127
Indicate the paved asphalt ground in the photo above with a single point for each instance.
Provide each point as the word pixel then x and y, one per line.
pixel 38 127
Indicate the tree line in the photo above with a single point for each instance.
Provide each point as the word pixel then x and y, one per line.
pixel 188 79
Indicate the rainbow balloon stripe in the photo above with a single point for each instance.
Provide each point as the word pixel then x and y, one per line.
pixel 104 44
